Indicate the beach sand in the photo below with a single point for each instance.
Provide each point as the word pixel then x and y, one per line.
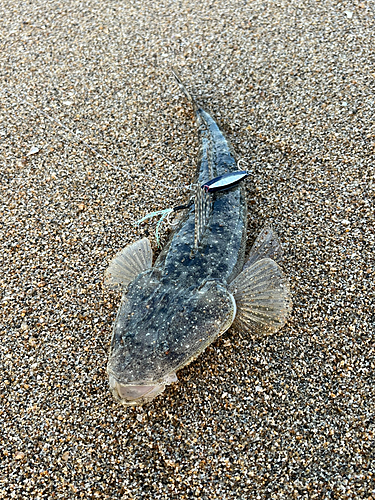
pixel 291 83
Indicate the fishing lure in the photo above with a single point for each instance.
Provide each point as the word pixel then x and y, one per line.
pixel 220 183
pixel 225 181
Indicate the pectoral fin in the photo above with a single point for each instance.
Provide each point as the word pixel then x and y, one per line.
pixel 266 245
pixel 128 263
pixel 262 296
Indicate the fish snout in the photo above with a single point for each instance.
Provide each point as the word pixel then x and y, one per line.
pixel 133 395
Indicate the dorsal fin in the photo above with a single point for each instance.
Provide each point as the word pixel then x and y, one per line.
pixel 202 204
pixel 266 245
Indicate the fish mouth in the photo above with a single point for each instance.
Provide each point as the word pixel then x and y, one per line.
pixel 137 394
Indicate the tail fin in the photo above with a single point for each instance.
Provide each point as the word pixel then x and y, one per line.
pixel 184 90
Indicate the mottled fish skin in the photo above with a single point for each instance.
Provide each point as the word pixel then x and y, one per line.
pixel 172 311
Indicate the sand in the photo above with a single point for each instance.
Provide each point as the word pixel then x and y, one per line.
pixel 289 415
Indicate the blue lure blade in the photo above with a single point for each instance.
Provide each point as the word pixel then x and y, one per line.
pixel 164 213
pixel 225 181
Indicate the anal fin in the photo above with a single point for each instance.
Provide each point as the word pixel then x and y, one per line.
pixel 128 263
pixel 262 296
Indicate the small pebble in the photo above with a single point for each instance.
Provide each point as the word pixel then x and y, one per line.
pixel 33 151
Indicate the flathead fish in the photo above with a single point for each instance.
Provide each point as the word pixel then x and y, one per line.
pixel 200 284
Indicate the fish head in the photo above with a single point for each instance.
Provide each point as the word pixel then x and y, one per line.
pixel 159 330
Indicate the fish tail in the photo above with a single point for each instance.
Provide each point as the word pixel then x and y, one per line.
pixel 184 90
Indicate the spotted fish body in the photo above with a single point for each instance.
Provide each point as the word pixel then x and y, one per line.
pixel 171 311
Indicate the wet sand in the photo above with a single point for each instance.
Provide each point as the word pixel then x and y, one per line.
pixel 290 415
